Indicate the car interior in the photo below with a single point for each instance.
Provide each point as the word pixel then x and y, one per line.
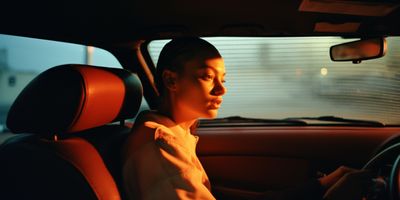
pixel 63 130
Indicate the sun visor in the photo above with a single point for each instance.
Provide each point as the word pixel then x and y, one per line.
pixel 350 27
pixel 350 7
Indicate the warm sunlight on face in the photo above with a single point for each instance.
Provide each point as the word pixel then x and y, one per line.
pixel 200 87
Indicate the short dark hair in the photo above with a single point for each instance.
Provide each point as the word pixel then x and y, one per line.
pixel 176 52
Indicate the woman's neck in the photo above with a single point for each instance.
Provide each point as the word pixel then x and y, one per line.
pixel 176 116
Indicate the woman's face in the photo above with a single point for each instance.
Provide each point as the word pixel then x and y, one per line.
pixel 200 88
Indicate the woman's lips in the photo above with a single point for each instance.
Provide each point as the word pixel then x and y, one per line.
pixel 215 103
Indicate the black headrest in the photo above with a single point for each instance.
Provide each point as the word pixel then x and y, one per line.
pixel 72 98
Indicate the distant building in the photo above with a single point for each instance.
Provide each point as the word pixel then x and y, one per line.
pixel 3 59
pixel 11 84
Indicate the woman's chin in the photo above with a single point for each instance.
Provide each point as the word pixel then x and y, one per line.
pixel 210 114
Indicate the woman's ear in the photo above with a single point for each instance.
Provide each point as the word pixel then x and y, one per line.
pixel 169 79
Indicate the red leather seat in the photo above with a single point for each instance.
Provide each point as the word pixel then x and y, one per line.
pixel 70 149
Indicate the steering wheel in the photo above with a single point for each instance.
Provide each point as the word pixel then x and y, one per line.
pixel 386 165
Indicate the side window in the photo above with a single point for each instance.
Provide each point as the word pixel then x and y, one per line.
pixel 22 59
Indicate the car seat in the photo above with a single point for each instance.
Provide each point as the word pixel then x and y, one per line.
pixel 70 145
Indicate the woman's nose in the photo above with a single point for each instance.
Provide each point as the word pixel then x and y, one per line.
pixel 219 89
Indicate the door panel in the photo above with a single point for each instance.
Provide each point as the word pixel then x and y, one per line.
pixel 243 161
pixel 245 172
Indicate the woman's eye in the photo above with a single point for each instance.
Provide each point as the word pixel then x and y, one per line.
pixel 208 77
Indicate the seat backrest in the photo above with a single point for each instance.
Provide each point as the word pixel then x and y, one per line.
pixel 72 150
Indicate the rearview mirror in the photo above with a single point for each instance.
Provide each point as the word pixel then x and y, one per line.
pixel 357 51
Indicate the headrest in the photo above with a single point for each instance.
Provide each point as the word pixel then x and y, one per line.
pixel 72 98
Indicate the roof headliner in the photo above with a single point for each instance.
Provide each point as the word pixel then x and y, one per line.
pixel 120 22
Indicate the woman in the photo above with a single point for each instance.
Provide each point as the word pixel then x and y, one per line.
pixel 159 157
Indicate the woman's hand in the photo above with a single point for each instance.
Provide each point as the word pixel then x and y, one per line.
pixel 346 184
pixel 328 180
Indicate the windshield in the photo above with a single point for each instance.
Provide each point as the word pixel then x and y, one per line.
pixel 288 77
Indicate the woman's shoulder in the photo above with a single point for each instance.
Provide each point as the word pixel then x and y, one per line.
pixel 148 126
pixel 155 123
pixel 152 119
pixel 159 125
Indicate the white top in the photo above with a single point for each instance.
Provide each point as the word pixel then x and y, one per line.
pixel 160 162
